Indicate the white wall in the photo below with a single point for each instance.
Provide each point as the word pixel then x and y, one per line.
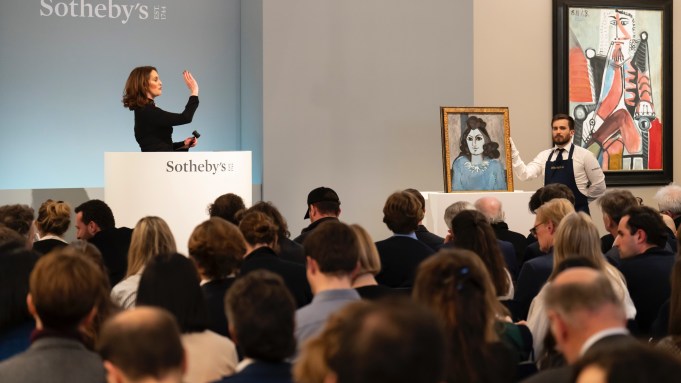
pixel 351 99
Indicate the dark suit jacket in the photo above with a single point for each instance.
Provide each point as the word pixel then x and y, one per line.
pixel 532 251
pixel 214 294
pixel 432 240
pixel 510 259
pixel 518 240
pixel 532 277
pixel 400 256
pixel 306 231
pixel 294 275
pixel 291 251
pixel 648 281
pixel 262 372
pixel 114 244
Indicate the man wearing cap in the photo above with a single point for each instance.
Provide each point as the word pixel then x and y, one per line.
pixel 323 205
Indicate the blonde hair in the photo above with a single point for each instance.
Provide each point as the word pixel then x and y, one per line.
pixel 554 210
pixel 369 261
pixel 151 237
pixel 54 217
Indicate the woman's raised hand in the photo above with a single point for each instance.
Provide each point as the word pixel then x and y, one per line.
pixel 191 83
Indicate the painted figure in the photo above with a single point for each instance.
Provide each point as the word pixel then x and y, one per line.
pixel 478 166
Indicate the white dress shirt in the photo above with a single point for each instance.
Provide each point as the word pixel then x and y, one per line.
pixel 589 175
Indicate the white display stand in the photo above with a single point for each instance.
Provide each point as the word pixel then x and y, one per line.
pixel 518 216
pixel 177 187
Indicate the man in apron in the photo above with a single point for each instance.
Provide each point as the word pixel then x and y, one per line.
pixel 565 163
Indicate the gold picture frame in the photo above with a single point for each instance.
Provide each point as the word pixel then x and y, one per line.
pixel 482 160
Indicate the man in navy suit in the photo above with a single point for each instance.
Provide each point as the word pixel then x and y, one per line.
pixel 261 315
pixel 645 264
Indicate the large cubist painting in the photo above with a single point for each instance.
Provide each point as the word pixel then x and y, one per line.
pixel 476 151
pixel 612 74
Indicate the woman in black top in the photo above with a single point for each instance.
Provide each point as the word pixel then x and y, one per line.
pixel 154 126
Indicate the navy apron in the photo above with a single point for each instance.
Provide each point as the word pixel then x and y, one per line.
pixel 562 172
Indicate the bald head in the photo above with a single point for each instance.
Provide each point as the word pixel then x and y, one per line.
pixel 491 208
pixel 142 343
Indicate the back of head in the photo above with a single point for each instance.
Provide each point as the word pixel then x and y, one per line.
pixel 614 202
pixel 369 260
pixel 17 217
pixel 261 312
pixel 64 289
pixel 549 192
pixel 454 209
pixel 669 199
pixel 402 212
pixel 471 231
pixel 649 220
pixel 10 239
pixel 577 236
pixel 491 208
pixel 97 211
pixel 554 210
pixel 151 237
pixel 389 342
pixel 171 281
pixel 54 217
pixel 16 263
pixel 217 247
pixel 258 228
pixel 143 343
pixel 271 211
pixel 419 197
pixel 334 246
pixel 226 207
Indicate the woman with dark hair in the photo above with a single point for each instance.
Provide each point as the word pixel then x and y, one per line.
pixel 54 218
pixel 171 281
pixel 456 286
pixel 227 207
pixel 477 167
pixel 472 231
pixel 154 126
pixel 286 248
pixel 216 247
pixel 261 240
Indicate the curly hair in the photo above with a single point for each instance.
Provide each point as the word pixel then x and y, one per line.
pixel 217 247
pixel 17 217
pixel 490 149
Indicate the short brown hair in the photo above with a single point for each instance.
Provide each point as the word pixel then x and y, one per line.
pixel 136 86
pixel 54 217
pixel 402 212
pixel 64 289
pixel 217 247
pixel 563 116
pixel 227 206
pixel 614 202
pixel 17 217
pixel 258 228
pixel 334 246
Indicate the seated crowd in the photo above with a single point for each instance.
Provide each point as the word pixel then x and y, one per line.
pixel 250 304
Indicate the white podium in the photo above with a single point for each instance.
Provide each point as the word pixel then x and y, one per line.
pixel 518 216
pixel 177 187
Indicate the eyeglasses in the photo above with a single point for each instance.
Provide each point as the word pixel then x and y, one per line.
pixel 533 230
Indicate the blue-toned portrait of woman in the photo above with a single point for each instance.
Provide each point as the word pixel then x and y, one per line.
pixel 478 166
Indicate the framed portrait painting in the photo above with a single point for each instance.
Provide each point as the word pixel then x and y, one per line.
pixel 476 149
pixel 613 75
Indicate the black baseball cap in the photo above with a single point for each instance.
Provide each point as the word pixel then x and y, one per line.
pixel 320 194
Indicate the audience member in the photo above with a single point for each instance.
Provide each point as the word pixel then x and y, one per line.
pixel 646 264
pixel 217 248
pixel 171 281
pixel 401 254
pixel 332 263
pixel 262 313
pixel 142 345
pixel 613 204
pixel 16 263
pixel 668 200
pixel 261 238
pixel 287 249
pixel 433 241
pixel 667 326
pixel 540 197
pixel 492 209
pixel 575 237
pixel 54 218
pixel 62 298
pixel 534 273
pixel 451 211
pixel 586 315
pixel 369 265
pixel 227 206
pixel 95 223
pixel 151 237
pixel 20 219
pixel 457 287
pixel 388 342
pixel 323 205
